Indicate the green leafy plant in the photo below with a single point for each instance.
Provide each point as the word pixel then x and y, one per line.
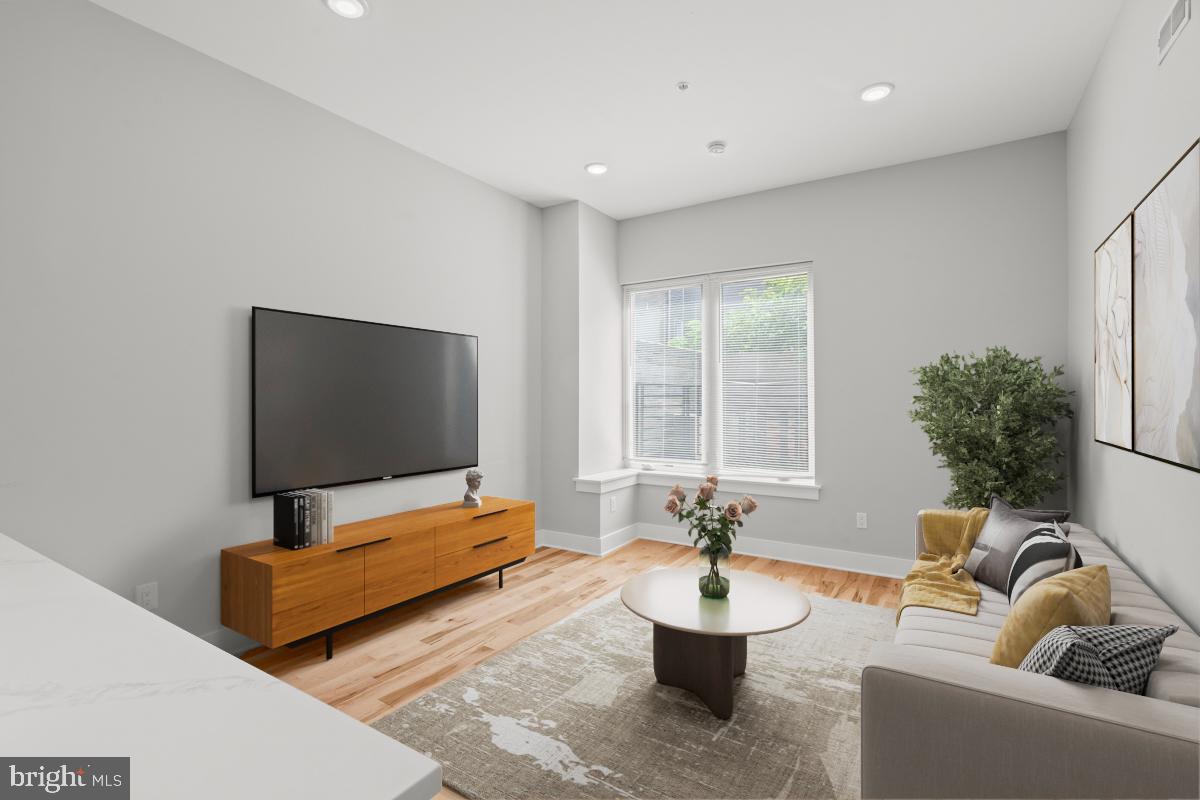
pixel 991 421
pixel 760 322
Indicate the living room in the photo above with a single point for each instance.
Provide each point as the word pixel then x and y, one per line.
pixel 506 400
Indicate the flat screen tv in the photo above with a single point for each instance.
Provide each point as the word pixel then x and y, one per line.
pixel 337 401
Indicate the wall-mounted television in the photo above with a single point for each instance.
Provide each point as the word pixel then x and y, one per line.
pixel 338 401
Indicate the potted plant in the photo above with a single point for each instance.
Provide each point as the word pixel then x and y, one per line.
pixel 712 528
pixel 991 420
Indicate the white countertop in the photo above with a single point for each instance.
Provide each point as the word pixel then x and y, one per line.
pixel 84 672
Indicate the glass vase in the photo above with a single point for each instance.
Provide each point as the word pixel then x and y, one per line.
pixel 714 571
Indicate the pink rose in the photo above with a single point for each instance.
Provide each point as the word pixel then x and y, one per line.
pixel 748 505
pixel 733 511
pixel 672 506
pixel 706 491
pixel 712 479
pixel 677 492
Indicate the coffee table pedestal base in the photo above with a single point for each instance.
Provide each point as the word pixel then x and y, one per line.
pixel 702 664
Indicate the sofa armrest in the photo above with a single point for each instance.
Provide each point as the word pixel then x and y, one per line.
pixel 938 724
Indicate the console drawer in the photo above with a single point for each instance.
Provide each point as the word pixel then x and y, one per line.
pixel 488 524
pixel 486 555
pixel 317 592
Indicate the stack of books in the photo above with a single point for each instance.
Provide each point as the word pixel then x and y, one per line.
pixel 303 518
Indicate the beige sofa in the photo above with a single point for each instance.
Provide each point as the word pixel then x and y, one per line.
pixel 939 720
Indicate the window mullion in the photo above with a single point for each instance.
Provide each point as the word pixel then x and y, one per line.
pixel 711 378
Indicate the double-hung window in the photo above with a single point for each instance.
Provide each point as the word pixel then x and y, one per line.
pixel 719 373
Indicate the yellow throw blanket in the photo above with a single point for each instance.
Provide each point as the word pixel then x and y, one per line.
pixel 937 579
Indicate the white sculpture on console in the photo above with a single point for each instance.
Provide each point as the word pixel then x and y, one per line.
pixel 471 498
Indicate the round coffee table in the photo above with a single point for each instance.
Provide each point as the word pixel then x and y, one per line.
pixel 700 643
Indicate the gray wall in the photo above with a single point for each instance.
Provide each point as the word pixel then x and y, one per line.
pixel 953 253
pixel 600 354
pixel 148 197
pixel 1136 118
pixel 560 506
pixel 581 367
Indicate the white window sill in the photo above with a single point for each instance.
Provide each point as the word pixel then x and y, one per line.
pixel 602 482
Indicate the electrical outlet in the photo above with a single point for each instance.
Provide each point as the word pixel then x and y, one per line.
pixel 146 595
pixel 862 519
pixel 612 504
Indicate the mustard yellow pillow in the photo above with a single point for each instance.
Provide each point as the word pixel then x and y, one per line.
pixel 1077 597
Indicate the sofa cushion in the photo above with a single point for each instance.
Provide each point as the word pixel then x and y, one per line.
pixel 1031 514
pixel 1175 679
pixel 1117 657
pixel 995 548
pixel 1078 597
pixel 1044 552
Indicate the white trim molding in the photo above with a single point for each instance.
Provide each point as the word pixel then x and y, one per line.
pixel 590 545
pixel 850 560
pixel 229 640
pixel 604 482
pixel 798 488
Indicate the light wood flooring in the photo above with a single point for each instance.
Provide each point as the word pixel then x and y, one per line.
pixel 383 662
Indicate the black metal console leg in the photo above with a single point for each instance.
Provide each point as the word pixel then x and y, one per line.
pixel 328 645
pixel 502 577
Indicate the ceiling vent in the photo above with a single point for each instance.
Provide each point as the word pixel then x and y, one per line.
pixel 1181 12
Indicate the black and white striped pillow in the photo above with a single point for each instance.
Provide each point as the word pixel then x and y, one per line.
pixel 1045 551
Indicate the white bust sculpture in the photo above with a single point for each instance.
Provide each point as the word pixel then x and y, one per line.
pixel 471 498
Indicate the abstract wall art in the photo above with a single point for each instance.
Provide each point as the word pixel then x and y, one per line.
pixel 1114 338
pixel 1166 318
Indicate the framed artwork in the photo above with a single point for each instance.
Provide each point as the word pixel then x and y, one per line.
pixel 1166 317
pixel 1113 337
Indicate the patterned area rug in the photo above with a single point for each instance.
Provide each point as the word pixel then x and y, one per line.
pixel 574 711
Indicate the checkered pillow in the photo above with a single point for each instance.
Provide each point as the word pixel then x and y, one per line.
pixel 1117 657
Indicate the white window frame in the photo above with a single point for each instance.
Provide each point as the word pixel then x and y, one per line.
pixel 710 374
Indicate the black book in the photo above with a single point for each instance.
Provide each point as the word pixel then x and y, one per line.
pixel 306 498
pixel 287 521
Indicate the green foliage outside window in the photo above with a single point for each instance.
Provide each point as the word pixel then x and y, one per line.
pixel 991 420
pixel 760 322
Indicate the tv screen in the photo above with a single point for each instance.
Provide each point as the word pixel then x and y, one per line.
pixel 337 401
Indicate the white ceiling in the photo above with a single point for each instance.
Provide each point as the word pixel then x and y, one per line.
pixel 522 93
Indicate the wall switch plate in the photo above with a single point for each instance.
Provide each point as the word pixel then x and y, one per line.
pixel 146 595
pixel 612 504
pixel 862 519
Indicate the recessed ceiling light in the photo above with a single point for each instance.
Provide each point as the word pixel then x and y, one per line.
pixel 350 9
pixel 596 168
pixel 683 86
pixel 876 92
pixel 716 148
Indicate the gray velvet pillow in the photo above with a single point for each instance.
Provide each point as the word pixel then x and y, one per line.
pixel 1034 514
pixel 992 556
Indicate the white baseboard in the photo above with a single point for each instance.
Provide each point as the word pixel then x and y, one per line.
pixel 832 558
pixel 618 538
pixel 229 640
pixel 591 545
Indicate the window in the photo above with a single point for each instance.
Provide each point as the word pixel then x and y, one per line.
pixel 720 373
pixel 666 365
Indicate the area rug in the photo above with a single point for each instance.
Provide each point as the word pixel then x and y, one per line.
pixel 574 712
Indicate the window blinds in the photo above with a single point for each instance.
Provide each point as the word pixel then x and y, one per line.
pixel 666 366
pixel 764 383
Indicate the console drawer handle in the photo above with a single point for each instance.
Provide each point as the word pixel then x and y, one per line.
pixel 364 544
pixel 489 513
pixel 490 541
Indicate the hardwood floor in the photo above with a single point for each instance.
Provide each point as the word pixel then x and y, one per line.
pixel 383 662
